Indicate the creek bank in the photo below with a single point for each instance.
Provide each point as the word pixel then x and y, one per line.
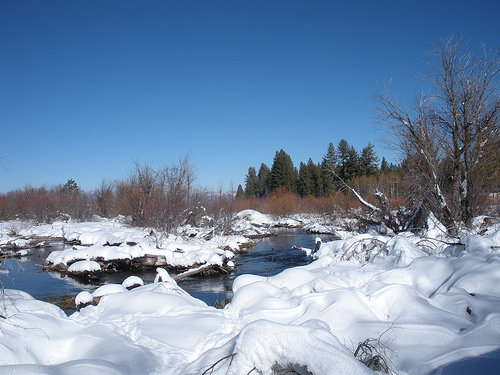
pixel 14 246
pixel 88 262
pixel 114 246
pixel 144 263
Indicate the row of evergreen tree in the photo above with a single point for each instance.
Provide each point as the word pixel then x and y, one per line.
pixel 319 179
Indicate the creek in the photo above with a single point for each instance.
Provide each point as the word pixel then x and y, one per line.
pixel 269 257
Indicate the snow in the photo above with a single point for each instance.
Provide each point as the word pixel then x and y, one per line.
pixel 176 252
pixel 430 308
pixel 163 276
pixel 108 289
pixel 253 223
pixel 434 228
pixel 83 298
pixel 84 266
pixel 132 282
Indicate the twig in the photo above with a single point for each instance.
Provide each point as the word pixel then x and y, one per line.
pixel 372 353
pixel 212 367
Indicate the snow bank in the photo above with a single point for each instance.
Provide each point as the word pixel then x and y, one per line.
pixel 176 252
pixel 265 346
pixel 429 309
pixel 37 337
pixel 253 223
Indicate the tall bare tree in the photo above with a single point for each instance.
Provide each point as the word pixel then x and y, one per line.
pixel 458 121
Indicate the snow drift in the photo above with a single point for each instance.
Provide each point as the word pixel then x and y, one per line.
pixel 429 308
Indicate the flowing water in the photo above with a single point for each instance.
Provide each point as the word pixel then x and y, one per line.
pixel 270 256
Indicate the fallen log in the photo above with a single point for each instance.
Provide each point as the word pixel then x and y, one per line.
pixel 307 250
pixel 193 271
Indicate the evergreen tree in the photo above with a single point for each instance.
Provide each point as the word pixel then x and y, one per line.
pixel 70 186
pixel 384 166
pixel 394 167
pixel 368 161
pixel 239 193
pixel 251 183
pixel 309 180
pixel 263 181
pixel 316 181
pixel 283 172
pixel 328 164
pixel 304 183
pixel 352 164
pixel 347 158
pixel 342 156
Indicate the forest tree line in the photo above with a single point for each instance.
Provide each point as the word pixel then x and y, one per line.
pixel 322 179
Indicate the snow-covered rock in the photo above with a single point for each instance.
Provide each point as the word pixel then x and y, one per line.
pixel 84 266
pixel 83 299
pixel 132 282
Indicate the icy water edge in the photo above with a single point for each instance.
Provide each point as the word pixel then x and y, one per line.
pixel 269 257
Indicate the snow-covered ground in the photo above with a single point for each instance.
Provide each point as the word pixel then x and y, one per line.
pixel 107 240
pixel 424 305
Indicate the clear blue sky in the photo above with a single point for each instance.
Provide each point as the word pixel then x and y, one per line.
pixel 87 87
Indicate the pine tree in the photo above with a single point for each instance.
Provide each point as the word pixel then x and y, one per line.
pixel 316 181
pixel 347 158
pixel 251 183
pixel 310 181
pixel 305 182
pixel 239 193
pixel 342 156
pixel 70 186
pixel 384 167
pixel 283 172
pixel 263 181
pixel 328 164
pixel 368 161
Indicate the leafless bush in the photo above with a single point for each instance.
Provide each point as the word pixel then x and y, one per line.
pixel 157 198
pixel 368 353
pixel 44 205
pixel 105 200
pixel 222 211
pixel 373 354
pixel 290 369
pixel 210 369
pixel 364 250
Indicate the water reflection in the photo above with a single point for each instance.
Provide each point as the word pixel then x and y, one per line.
pixel 27 274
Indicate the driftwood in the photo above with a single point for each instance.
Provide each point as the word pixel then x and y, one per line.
pixel 193 272
pixel 316 247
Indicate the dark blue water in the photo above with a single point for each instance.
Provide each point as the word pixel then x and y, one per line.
pixel 26 274
pixel 269 257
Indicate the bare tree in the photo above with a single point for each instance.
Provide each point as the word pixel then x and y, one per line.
pixel 457 121
pixel 157 198
pixel 412 133
pixel 176 181
pixel 468 114
pixel 105 199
